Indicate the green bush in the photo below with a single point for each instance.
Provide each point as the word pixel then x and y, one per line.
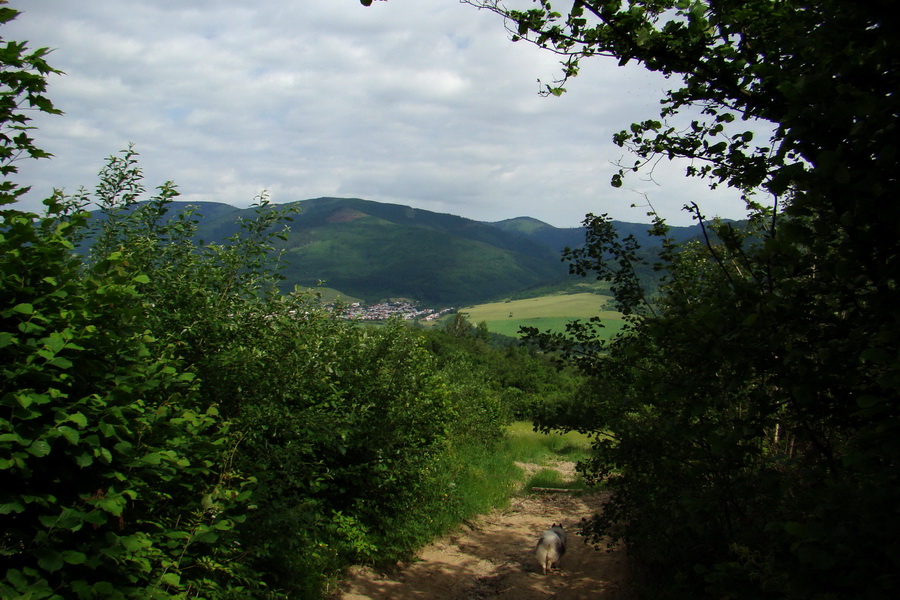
pixel 357 442
pixel 354 436
pixel 113 473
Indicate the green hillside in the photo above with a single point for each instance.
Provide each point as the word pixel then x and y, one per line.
pixel 548 235
pixel 373 251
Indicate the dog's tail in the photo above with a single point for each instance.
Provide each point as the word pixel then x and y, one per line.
pixel 549 550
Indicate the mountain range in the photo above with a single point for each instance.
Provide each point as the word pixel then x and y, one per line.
pixel 374 250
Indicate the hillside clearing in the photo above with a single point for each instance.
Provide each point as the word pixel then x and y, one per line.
pixel 581 305
pixel 551 312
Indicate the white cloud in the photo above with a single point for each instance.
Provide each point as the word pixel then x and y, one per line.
pixel 419 102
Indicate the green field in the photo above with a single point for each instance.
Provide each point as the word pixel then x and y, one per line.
pixel 550 312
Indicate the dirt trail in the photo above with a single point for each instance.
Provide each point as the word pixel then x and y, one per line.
pixel 493 557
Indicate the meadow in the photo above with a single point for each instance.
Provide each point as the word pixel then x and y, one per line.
pixel 522 443
pixel 525 445
pixel 551 312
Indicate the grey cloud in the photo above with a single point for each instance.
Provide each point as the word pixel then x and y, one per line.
pixel 420 102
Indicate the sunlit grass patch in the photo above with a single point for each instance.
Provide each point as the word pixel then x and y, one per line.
pixel 550 312
pixel 528 446
pixel 554 480
pixel 511 326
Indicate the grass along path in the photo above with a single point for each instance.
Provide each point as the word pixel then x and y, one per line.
pixel 547 460
pixel 492 556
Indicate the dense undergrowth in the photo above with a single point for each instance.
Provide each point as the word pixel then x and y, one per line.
pixel 748 415
pixel 178 427
pixel 173 425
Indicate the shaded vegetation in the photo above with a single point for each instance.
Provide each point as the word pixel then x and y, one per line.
pixel 749 409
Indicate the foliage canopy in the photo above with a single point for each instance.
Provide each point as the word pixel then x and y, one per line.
pixel 751 411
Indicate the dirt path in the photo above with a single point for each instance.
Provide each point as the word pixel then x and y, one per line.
pixel 493 557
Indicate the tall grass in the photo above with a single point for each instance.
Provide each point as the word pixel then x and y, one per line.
pixel 551 478
pixel 524 444
pixel 476 480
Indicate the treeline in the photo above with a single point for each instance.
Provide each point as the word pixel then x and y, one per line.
pixel 173 425
pixel 747 418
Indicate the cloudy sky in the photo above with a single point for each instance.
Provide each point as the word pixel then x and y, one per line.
pixel 424 103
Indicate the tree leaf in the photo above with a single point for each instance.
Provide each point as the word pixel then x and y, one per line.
pixel 79 419
pixel 73 558
pixel 39 448
pixel 24 308
pixel 70 434
pixel 50 560
pixel 7 339
pixel 11 507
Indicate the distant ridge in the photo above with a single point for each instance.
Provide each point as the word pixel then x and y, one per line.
pixel 375 250
pixel 572 237
pixel 553 237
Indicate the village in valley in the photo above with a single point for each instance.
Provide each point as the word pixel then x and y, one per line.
pixel 394 309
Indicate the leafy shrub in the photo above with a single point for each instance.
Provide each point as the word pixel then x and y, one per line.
pixel 114 475
pixel 742 450
pixel 112 470
pixel 353 436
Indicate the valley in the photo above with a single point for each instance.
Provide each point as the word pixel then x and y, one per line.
pixel 374 251
pixel 547 312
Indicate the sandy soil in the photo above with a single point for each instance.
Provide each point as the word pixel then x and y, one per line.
pixel 493 557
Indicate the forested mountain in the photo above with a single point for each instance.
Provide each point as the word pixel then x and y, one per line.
pixel 375 250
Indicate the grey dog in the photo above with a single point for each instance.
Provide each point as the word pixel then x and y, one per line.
pixel 550 547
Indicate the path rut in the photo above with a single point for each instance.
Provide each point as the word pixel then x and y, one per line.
pixel 493 557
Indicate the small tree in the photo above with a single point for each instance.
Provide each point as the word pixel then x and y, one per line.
pixel 23 85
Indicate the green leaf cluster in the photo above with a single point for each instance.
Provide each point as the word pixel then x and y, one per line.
pixel 106 451
pixel 341 443
pixel 23 87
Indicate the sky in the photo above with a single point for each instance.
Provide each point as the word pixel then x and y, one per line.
pixel 424 103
